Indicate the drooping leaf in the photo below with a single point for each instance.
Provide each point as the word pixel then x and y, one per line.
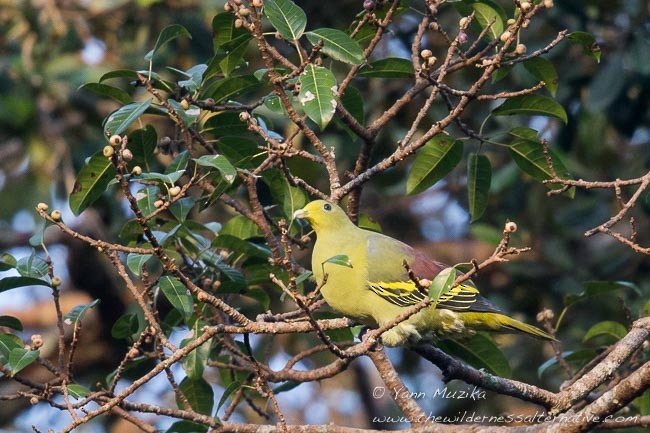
pixel 485 12
pixel 106 91
pixel 195 361
pixel 142 143
pixel 9 283
pixel 199 394
pixel 480 352
pixel 433 162
pixel 77 313
pixel 176 294
pixel 588 43
pixel 91 182
pixel 11 322
pixel 317 94
pixel 338 45
pixel 125 326
pixel 135 262
pixel 543 70
pixel 9 342
pixel 479 176
pixel 392 67
pixel 531 105
pixel 227 88
pixel 118 121
pixel 166 178
pixel 223 27
pixel 286 17
pixel 576 358
pixel 221 163
pixel 167 35
pixel 185 426
pixel 352 100
pixel 441 284
pixel 610 328
pixel 20 358
pixel 232 387
pixel 32 266
pixel 225 123
pixel 181 208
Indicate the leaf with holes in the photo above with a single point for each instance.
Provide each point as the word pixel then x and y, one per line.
pixel 317 94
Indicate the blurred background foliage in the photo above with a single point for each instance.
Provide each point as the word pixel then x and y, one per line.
pixel 49 48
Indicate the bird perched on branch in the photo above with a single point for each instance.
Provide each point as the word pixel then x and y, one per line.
pixel 374 287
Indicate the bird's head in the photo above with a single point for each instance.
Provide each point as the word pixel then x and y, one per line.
pixel 323 215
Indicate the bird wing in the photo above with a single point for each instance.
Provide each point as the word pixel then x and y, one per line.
pixel 388 278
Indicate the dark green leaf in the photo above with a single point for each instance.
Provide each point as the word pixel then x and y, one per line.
pixel 91 182
pixel 176 293
pixel 9 283
pixel 232 387
pixel 20 358
pixel 125 326
pixel 227 88
pixel 317 95
pixel 543 70
pixel 339 259
pixel 135 262
pixel 118 121
pixel 106 91
pixel 286 386
pixel 576 358
pixel 167 178
pixel 195 361
pixel 187 427
pixel 352 100
pixel 433 162
pixel 221 163
pixel 441 284
pixel 7 261
pixel 225 123
pixel 167 34
pixel 589 44
pixel 287 18
pixel 229 56
pixel 181 208
pixel 595 288
pixel 392 67
pixel 239 246
pixel 77 313
pixel 338 45
pixel 479 177
pixel 223 27
pixel 199 394
pixel 11 323
pixel 480 352
pixel 9 342
pixel 241 227
pixel 531 105
pixel 142 143
pixel 607 327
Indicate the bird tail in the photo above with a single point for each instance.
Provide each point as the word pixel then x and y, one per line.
pixel 506 324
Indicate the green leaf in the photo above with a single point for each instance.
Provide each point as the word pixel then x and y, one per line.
pixel 528 153
pixel 20 358
pixel 135 262
pixel 231 54
pixel 194 77
pixel 576 358
pixel 595 288
pixel 317 97
pixel 484 13
pixel 146 197
pixel 223 27
pixel 199 395
pixel 392 67
pixel 11 323
pixel 606 327
pixel 142 143
pixel 433 162
pixel 77 313
pixel 167 178
pixel 181 208
pixel 9 283
pixel 227 88
pixel 91 182
pixel 480 352
pixel 9 342
pixel 106 91
pixel 225 123
pixel 287 18
pixel 240 247
pixel 338 45
pixel 644 403
pixel 78 391
pixel 187 427
pixel 179 164
pixel 125 326
pixel 7 261
pixel 589 44
pixel 479 177
pixel 119 121
pixel 352 101
pixel 176 294
pixel 543 70
pixel 232 387
pixel 241 227
pixel 531 105
pixel 32 266
pixel 339 259
pixel 441 284
pixel 195 361
pixel 221 163
pixel 167 34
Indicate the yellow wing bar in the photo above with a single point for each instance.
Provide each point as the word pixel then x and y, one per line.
pixel 406 293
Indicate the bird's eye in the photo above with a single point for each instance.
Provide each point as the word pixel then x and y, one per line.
pixel 327 207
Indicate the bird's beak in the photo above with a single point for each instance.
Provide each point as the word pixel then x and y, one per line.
pixel 300 214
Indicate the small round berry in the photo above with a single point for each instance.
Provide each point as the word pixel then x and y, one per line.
pixel 463 22
pixel 33 401
pixel 462 37
pixel 158 204
pixel 548 4
pixel 257 3
pixel 251 27
pixel 520 49
pixel 108 151
pixel 100 249
pixel 56 281
pixel 511 227
pixel 227 7
pixel 244 12
pixel 136 171
pixel 127 155
pixel 424 282
pixel 37 341
pixel 369 5
pixel 525 6
pixel 244 116
pixel 185 104
pixel 42 207
pixel 174 191
pixel 115 140
pixel 505 36
pixel 525 24
pixel 56 215
pixel 239 23
pixel 434 26
pixel 426 54
pixel 511 21
pixel 432 60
